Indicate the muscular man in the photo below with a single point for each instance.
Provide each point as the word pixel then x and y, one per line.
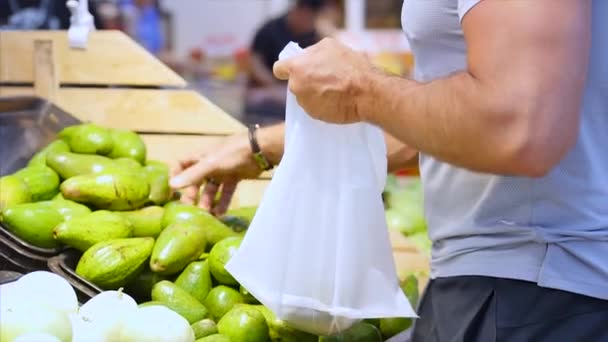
pixel 508 110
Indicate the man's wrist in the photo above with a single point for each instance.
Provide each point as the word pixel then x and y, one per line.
pixel 270 140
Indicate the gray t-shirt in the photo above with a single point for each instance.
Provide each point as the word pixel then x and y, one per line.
pixel 551 230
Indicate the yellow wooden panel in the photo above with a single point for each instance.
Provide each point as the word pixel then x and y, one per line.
pixel 171 148
pixel 110 58
pixel 148 110
pixel 249 193
pixel 16 91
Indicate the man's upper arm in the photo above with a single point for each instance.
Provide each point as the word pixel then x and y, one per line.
pixel 531 57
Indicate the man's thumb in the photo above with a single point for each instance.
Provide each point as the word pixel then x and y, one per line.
pixel 281 69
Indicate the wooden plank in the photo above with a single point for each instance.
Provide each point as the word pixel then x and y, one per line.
pixel 249 193
pixel 16 91
pixel 171 148
pixel 111 57
pixel 45 71
pixel 148 110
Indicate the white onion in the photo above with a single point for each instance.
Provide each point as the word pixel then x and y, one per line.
pixel 37 337
pixel 49 289
pixel 156 323
pixel 26 317
pixel 106 312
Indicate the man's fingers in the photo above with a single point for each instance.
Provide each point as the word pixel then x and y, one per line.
pixel 228 190
pixel 193 175
pixel 189 194
pixel 208 195
pixel 182 165
pixel 282 69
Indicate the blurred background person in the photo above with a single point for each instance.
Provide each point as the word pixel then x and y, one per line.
pixel 266 96
pixel 37 15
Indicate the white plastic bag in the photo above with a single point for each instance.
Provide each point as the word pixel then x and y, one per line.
pixel 317 252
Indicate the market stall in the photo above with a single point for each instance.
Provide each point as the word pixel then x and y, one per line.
pixel 118 86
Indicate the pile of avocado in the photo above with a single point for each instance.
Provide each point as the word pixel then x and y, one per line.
pixel 94 190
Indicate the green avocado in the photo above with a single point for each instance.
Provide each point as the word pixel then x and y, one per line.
pixel 57 146
pixel 360 332
pixel 177 246
pixel 42 181
pixel 112 264
pixel 85 231
pixel 128 164
pixel 179 301
pixel 145 221
pixel 140 288
pixel 160 191
pixel 88 138
pixel 244 324
pixel 204 328
pixel 222 299
pixel 279 330
pixel 13 191
pixel 112 191
pixel 196 280
pixel 214 228
pixel 69 209
pixel 127 144
pixel 219 256
pixel 214 338
pixel 33 222
pixel 69 165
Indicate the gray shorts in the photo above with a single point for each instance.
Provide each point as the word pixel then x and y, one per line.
pixel 484 309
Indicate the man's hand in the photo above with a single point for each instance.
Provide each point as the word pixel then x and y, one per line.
pixel 219 168
pixel 325 79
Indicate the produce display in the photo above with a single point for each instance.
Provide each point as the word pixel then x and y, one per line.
pixel 160 262
pixel 404 211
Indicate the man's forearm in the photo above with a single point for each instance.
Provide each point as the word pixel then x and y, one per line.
pixel 272 139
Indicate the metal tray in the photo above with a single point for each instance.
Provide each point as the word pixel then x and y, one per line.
pixel 27 124
pixel 64 265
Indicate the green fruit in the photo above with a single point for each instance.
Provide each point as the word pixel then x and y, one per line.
pixel 88 138
pixel 196 280
pixel 222 299
pixel 13 191
pixel 69 165
pixel 57 146
pixel 280 331
pixel 111 191
pixel 145 222
pixel 244 324
pixel 58 197
pixel 214 338
pixel 245 213
pixel 393 326
pixel 151 303
pixel 112 264
pixel 237 224
pixel 85 231
pixel 129 164
pixel 160 191
pixel 141 286
pixel 33 222
pixel 42 181
pixel 249 298
pixel 69 209
pixel 204 328
pixel 128 144
pixel 177 246
pixel 361 332
pixel 214 229
pixel 158 165
pixel 179 301
pixel 219 256
pixel 373 321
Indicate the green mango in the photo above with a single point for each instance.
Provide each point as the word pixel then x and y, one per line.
pixel 42 181
pixel 88 138
pixel 158 165
pixel 360 332
pixel 279 330
pixel 244 324
pixel 13 191
pixel 57 146
pixel 141 286
pixel 196 280
pixel 160 191
pixel 85 231
pixel 214 229
pixel 244 213
pixel 179 301
pixel 69 209
pixel 111 191
pixel 204 328
pixel 177 246
pixel 127 144
pixel 145 221
pixel 222 299
pixel 390 327
pixel 219 256
pixel 112 264
pixel 33 222
pixel 129 164
pixel 214 338
pixel 69 165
